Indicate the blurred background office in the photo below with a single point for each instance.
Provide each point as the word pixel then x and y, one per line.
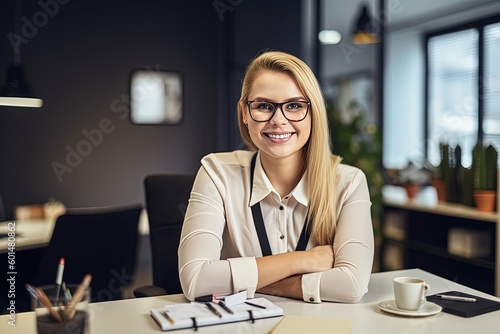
pixel 78 57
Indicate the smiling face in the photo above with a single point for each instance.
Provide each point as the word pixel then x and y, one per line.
pixel 277 138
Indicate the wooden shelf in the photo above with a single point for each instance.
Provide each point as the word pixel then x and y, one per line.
pixel 447 209
pixel 421 231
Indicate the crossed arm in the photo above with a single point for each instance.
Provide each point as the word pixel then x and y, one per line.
pixel 281 274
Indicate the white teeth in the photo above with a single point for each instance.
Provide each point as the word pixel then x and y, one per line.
pixel 282 136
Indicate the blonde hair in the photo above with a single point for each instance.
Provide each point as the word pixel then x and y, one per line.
pixel 319 161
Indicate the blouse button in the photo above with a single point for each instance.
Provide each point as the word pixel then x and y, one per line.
pixel 311 299
pixel 281 207
pixel 282 237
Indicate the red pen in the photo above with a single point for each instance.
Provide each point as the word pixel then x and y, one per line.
pixel 59 277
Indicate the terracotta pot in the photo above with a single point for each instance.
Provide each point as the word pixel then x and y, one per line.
pixel 412 190
pixel 440 189
pixel 485 200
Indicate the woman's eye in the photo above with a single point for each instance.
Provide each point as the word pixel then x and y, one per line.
pixel 293 106
pixel 265 106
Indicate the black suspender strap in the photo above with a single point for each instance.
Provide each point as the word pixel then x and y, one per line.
pixel 258 220
pixel 261 228
pixel 304 238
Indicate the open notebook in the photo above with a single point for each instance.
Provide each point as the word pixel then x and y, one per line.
pixel 195 314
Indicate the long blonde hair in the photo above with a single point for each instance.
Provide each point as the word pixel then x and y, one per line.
pixel 319 161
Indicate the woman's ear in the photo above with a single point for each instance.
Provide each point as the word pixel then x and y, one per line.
pixel 244 114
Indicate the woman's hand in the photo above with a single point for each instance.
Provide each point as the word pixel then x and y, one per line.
pixel 319 258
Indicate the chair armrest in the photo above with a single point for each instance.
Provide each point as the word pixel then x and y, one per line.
pixel 149 291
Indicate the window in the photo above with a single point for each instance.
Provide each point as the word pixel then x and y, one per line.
pixel 491 86
pixel 463 89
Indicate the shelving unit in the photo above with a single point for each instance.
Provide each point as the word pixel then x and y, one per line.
pixel 417 236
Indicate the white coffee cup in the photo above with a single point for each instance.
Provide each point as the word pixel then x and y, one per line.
pixel 409 292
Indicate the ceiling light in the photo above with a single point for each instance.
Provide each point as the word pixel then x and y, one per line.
pixel 365 31
pixel 329 37
pixel 16 92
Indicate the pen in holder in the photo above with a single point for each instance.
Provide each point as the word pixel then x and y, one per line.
pixel 55 314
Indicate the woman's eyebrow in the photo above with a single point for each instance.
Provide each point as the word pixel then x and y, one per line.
pixel 260 98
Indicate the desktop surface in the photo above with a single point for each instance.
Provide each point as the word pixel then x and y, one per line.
pixel 132 315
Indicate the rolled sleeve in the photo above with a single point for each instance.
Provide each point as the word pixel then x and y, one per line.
pixel 244 273
pixel 311 287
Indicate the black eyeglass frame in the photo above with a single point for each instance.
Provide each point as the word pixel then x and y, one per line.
pixel 280 106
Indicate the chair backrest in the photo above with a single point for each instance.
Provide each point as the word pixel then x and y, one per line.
pixel 102 242
pixel 166 202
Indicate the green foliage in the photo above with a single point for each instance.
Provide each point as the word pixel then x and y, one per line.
pixel 359 143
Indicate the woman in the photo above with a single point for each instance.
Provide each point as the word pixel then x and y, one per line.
pixel 288 198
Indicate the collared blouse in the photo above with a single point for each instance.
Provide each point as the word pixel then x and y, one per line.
pixel 219 242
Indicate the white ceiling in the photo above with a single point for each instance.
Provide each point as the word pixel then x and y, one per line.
pixel 400 14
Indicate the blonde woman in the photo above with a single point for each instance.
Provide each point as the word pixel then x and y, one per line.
pixel 286 217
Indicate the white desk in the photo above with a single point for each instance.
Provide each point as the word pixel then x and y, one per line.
pixel 30 233
pixel 132 315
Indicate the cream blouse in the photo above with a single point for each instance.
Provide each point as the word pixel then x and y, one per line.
pixel 219 241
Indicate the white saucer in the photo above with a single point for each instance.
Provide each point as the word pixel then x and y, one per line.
pixel 427 309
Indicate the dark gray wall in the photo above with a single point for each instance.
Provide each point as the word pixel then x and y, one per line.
pixel 80 60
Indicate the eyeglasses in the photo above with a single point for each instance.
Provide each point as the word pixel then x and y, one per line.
pixel 263 111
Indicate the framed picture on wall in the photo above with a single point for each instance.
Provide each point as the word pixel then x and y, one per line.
pixel 156 97
pixel 353 89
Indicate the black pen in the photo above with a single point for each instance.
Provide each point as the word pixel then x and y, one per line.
pixel 224 306
pixel 213 309
pixel 169 318
pixel 256 305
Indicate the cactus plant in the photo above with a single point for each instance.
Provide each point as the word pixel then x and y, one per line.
pixel 491 168
pixel 468 186
pixel 485 165
pixel 450 173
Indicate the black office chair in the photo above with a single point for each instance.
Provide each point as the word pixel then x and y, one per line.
pixel 101 242
pixel 166 202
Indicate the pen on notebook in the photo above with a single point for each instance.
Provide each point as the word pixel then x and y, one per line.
pixel 60 271
pixel 169 318
pixel 255 305
pixel 224 306
pixel 457 298
pixel 213 309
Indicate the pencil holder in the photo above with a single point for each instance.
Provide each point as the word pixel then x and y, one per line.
pixel 61 310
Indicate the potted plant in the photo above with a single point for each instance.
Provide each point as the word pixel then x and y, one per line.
pixel 358 141
pixel 485 166
pixel 413 178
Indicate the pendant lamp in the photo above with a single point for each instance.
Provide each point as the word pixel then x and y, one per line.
pixel 365 29
pixel 16 92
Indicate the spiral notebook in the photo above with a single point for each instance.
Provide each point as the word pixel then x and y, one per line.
pixel 195 314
